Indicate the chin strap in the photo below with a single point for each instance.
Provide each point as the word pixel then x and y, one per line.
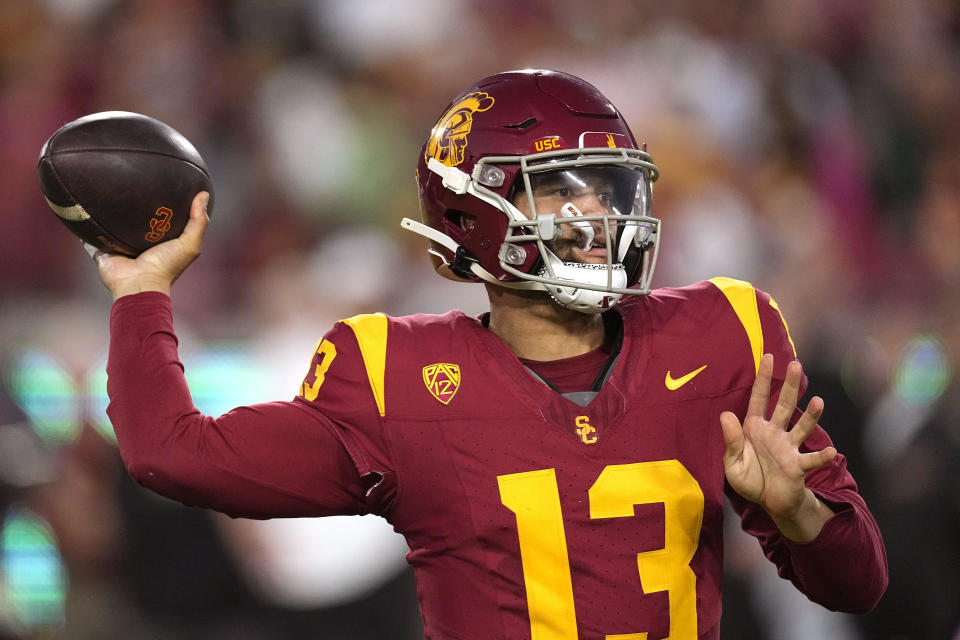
pixel 430 233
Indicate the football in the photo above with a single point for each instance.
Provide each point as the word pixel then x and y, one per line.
pixel 122 181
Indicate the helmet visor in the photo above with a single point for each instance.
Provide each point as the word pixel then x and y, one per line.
pixel 598 212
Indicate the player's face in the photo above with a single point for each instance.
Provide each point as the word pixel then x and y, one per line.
pixel 591 193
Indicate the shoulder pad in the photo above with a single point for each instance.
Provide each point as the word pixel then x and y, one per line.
pixel 371 332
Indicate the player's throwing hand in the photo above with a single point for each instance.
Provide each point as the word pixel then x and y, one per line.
pixel 157 268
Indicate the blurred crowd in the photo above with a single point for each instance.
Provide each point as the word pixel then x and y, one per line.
pixel 807 146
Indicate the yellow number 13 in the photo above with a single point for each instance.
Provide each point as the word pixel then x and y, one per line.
pixel 327 351
pixel 534 498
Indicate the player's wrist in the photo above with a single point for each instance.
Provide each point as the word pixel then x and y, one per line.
pixel 139 285
pixel 804 523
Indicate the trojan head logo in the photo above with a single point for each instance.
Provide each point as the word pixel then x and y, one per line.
pixel 442 380
pixel 448 140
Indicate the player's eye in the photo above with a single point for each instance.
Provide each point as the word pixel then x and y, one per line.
pixel 554 191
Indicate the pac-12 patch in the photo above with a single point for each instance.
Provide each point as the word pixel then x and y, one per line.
pixel 442 380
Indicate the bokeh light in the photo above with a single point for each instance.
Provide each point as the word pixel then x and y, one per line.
pixel 32 573
pixel 923 371
pixel 47 393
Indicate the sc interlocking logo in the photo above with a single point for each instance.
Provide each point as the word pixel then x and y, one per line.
pixel 159 224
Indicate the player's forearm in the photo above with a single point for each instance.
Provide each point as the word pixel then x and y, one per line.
pixel 845 567
pixel 149 397
pixel 166 444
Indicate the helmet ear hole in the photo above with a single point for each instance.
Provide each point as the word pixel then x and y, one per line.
pixel 454 217
pixel 462 219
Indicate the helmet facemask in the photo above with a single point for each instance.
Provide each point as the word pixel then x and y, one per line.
pixel 607 201
pixel 587 214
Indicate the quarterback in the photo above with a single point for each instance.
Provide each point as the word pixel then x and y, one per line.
pixel 558 465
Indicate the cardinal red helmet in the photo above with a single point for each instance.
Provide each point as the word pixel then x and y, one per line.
pixel 503 143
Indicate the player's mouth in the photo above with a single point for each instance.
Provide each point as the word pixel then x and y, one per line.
pixel 574 249
pixel 595 252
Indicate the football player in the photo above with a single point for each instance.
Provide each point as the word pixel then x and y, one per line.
pixel 558 465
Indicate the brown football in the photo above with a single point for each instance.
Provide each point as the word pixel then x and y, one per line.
pixel 122 181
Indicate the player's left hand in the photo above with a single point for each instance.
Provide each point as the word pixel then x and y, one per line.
pixel 763 462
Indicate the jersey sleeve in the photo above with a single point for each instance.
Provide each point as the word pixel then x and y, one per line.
pixel 278 459
pixel 845 567
pixel 346 383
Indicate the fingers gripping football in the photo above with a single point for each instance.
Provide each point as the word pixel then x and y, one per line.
pixel 157 268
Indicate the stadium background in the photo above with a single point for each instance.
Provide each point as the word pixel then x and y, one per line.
pixel 808 146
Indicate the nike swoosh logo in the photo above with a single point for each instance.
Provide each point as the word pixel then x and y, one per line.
pixel 675 383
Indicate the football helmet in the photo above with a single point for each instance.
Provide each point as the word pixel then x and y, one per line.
pixel 532 180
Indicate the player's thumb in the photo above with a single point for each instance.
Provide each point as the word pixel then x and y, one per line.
pixel 196 227
pixel 732 435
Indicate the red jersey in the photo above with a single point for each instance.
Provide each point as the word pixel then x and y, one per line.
pixel 527 515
